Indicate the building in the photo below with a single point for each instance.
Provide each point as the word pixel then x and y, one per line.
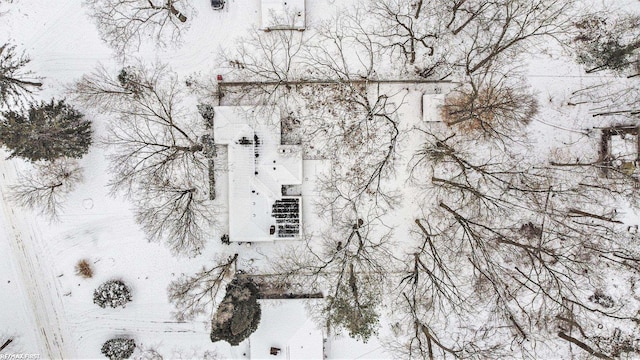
pixel 286 332
pixel 283 15
pixel 262 171
pixel 620 150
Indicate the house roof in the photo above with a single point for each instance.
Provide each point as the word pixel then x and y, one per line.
pixel 258 167
pixel 285 325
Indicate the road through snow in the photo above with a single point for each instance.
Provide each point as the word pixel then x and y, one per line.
pixel 43 298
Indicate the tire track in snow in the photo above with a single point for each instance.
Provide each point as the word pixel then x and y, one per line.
pixel 43 297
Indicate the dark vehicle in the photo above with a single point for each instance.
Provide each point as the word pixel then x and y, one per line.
pixel 217 4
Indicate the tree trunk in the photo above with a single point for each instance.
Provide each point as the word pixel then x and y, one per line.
pixel 583 346
pixel 6 343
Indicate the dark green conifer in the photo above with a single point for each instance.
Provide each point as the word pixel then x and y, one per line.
pixel 47 131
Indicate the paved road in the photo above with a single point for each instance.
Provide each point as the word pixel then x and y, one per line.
pixel 37 278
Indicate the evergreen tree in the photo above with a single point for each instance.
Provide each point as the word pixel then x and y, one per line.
pixel 118 348
pixel 15 83
pixel 47 131
pixel 353 308
pixel 238 314
pixel 607 43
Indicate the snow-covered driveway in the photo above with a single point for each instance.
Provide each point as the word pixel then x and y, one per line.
pixel 42 296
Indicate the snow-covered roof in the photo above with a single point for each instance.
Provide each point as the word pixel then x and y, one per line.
pixel 431 105
pixel 285 325
pixel 624 146
pixel 283 14
pixel 258 167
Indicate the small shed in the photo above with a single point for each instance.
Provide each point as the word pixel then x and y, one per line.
pixel 620 149
pixel 431 107
pixel 283 15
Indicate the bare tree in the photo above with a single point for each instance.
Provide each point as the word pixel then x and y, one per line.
pixel 359 131
pixel 350 261
pixel 611 98
pixel 461 13
pixel 155 134
pixel 124 24
pixel 303 78
pixel 490 105
pixel 197 294
pixel 268 64
pixel 174 209
pixel 405 27
pixel 156 152
pixel 508 25
pixel 437 37
pixel 16 84
pixel 46 187
pixel 536 243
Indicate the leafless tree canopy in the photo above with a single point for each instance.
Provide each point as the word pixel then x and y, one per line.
pixel 124 24
pixel 528 242
pixel 405 27
pixel 155 150
pixel 435 38
pixel 350 260
pixel 46 187
pixel 176 210
pixel 490 105
pixel 16 83
pixel 197 294
pixel 508 251
pixel 155 134
pixel 500 27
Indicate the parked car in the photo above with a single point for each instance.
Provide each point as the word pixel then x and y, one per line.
pixel 217 4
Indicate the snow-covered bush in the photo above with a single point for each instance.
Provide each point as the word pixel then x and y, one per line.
pixel 112 293
pixel 118 348
pixel 147 354
pixel 602 299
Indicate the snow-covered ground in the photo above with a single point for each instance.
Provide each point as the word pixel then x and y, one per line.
pixel 46 306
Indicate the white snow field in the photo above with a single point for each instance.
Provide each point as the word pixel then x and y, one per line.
pixel 49 310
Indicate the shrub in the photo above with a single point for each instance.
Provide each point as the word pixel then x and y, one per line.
pixel 83 268
pixel 112 293
pixel 118 348
pixel 602 299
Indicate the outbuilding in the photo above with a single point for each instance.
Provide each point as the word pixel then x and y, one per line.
pixel 283 15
